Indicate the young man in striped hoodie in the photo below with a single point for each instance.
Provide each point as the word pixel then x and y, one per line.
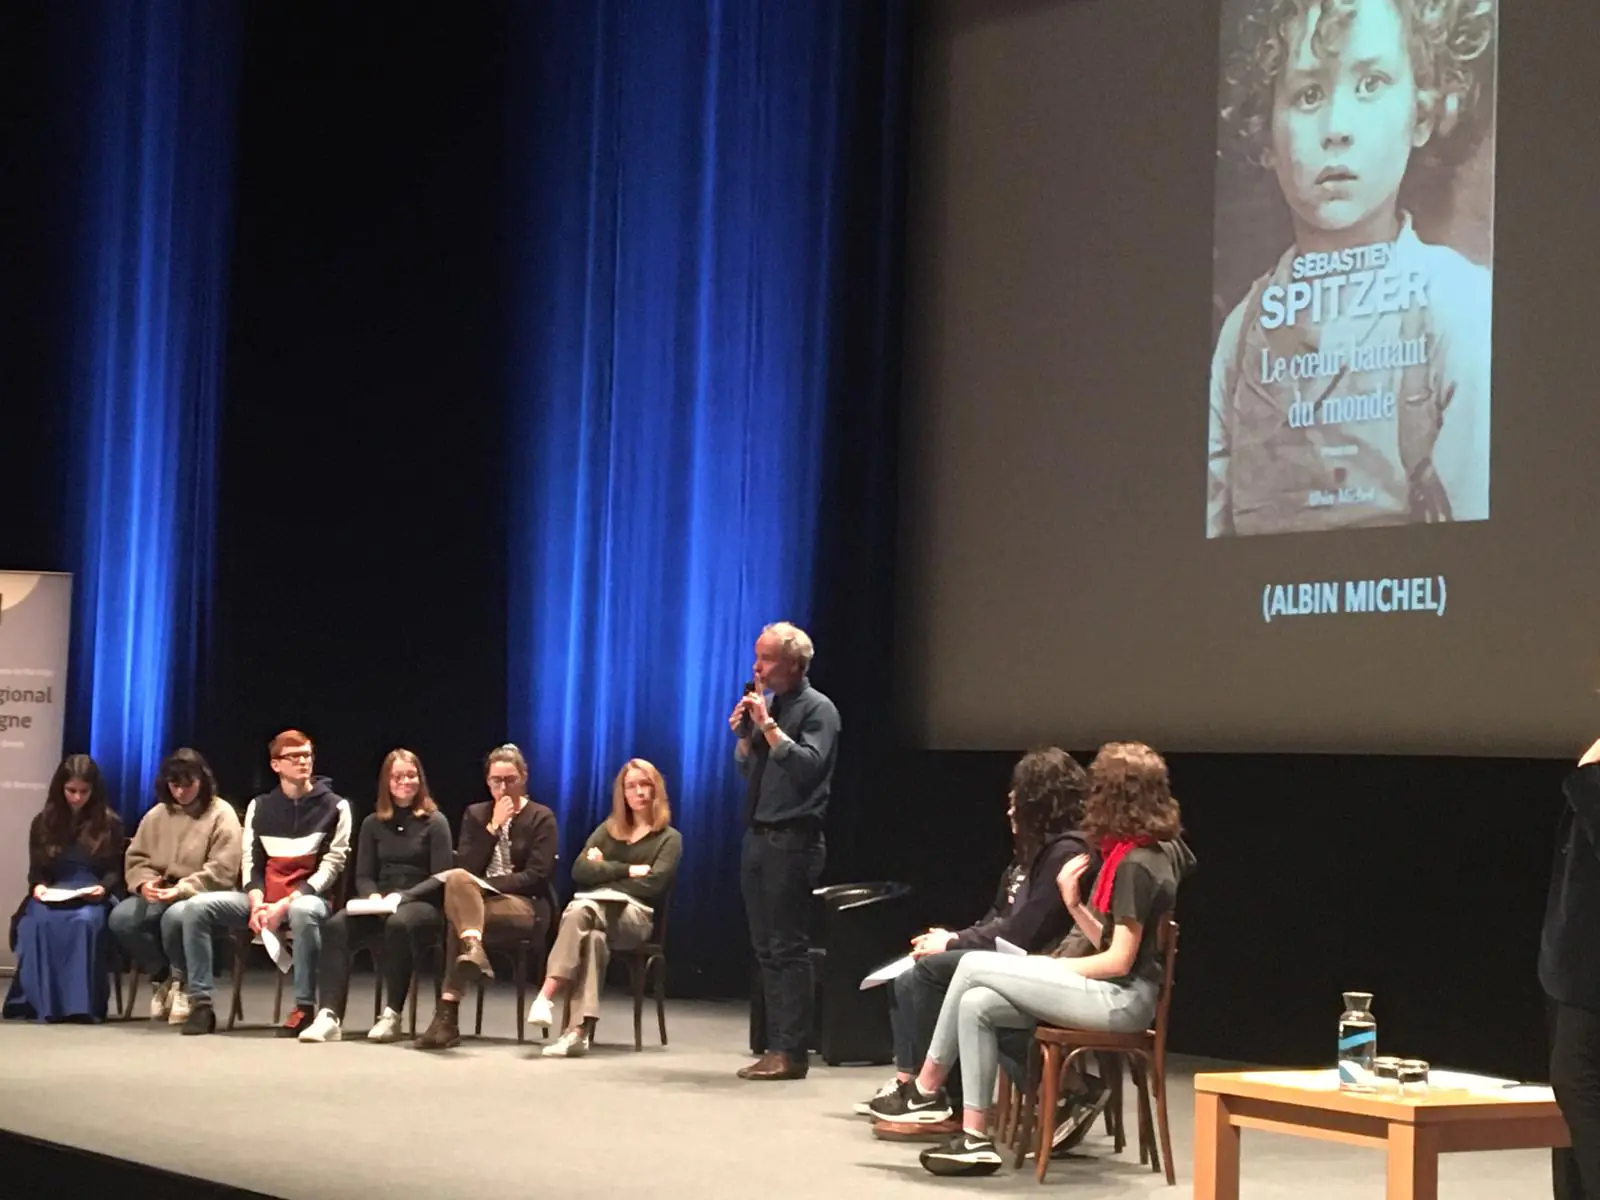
pixel 296 843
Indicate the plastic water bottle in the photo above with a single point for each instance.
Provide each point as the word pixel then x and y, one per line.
pixel 1358 1043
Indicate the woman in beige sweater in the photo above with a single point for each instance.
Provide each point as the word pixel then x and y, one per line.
pixel 189 842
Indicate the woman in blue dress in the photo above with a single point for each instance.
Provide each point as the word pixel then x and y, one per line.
pixel 75 845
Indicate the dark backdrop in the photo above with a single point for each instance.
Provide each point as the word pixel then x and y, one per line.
pixel 361 563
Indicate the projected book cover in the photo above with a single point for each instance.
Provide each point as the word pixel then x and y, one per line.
pixel 1352 282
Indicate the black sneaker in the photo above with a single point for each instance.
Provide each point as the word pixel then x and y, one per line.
pixel 1082 1112
pixel 907 1106
pixel 299 1020
pixel 963 1154
pixel 202 1018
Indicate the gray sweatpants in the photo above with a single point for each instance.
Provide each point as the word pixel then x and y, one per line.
pixel 992 991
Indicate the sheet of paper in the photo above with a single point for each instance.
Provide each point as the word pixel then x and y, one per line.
pixel 383 906
pixel 605 893
pixel 887 972
pixel 1006 947
pixel 488 887
pixel 277 951
pixel 54 895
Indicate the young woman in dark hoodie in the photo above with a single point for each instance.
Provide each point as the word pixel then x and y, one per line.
pixel 1043 806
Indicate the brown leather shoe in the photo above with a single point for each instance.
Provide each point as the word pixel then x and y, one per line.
pixel 772 1066
pixel 906 1131
pixel 442 1032
pixel 472 963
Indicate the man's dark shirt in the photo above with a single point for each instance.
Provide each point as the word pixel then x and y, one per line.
pixel 791 781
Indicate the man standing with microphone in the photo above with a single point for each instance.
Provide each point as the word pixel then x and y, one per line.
pixel 786 751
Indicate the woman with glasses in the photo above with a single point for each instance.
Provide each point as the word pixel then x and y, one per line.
pixel 504 862
pixel 402 844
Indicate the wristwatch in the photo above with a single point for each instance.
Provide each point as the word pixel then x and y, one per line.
pixel 768 725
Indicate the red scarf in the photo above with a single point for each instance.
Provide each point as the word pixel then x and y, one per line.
pixel 1112 852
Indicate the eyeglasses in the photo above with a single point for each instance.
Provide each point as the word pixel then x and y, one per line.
pixel 295 756
pixel 503 781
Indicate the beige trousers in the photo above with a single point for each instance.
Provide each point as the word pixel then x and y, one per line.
pixel 589 929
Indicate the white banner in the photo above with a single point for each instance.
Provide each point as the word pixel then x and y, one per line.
pixel 35 621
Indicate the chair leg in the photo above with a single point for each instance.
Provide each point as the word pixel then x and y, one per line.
pixel 377 989
pixel 661 996
pixel 1022 1119
pixel 411 1001
pixel 236 1007
pixel 637 970
pixel 277 998
pixel 519 971
pixel 1112 1065
pixel 477 1024
pixel 1147 1129
pixel 128 1004
pixel 1158 1080
pixel 1049 1087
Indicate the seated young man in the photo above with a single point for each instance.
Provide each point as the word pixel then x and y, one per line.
pixel 1047 790
pixel 296 841
pixel 509 843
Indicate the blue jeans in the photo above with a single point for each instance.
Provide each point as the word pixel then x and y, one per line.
pixel 217 912
pixel 150 933
pixel 778 869
pixel 992 991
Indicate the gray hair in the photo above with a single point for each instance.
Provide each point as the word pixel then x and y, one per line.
pixel 796 642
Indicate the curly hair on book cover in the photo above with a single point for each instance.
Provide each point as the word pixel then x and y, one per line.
pixel 1450 44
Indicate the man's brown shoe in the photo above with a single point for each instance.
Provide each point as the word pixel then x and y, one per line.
pixel 907 1131
pixel 472 964
pixel 772 1066
pixel 441 1033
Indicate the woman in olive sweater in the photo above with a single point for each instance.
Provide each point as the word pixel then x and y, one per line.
pixel 626 869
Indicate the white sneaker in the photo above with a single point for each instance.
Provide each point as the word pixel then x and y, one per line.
pixel 160 1000
pixel 178 1013
pixel 541 1013
pixel 864 1107
pixel 571 1044
pixel 387 1028
pixel 324 1028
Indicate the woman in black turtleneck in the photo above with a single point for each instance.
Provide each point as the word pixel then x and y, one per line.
pixel 403 842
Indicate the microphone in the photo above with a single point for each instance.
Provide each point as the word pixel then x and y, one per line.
pixel 751 687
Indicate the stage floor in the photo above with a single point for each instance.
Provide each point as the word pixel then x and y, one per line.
pixel 357 1120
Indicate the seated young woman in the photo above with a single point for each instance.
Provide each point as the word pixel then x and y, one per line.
pixel 402 843
pixel 1044 808
pixel 626 869
pixel 189 842
pixel 508 843
pixel 1130 813
pixel 74 874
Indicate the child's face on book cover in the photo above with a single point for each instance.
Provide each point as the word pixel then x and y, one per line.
pixel 1344 123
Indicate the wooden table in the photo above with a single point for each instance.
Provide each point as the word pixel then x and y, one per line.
pixel 1414 1130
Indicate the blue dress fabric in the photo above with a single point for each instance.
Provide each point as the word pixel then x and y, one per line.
pixel 61 952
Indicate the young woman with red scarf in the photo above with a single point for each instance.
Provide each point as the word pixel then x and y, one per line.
pixel 1105 976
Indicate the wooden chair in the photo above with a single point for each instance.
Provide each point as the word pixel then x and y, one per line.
pixel 640 961
pixel 243 939
pixel 526 951
pixel 1146 1055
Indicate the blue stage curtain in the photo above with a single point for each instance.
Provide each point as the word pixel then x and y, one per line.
pixel 150 244
pixel 679 266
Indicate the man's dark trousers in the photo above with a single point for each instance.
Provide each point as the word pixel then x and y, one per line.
pixel 779 867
